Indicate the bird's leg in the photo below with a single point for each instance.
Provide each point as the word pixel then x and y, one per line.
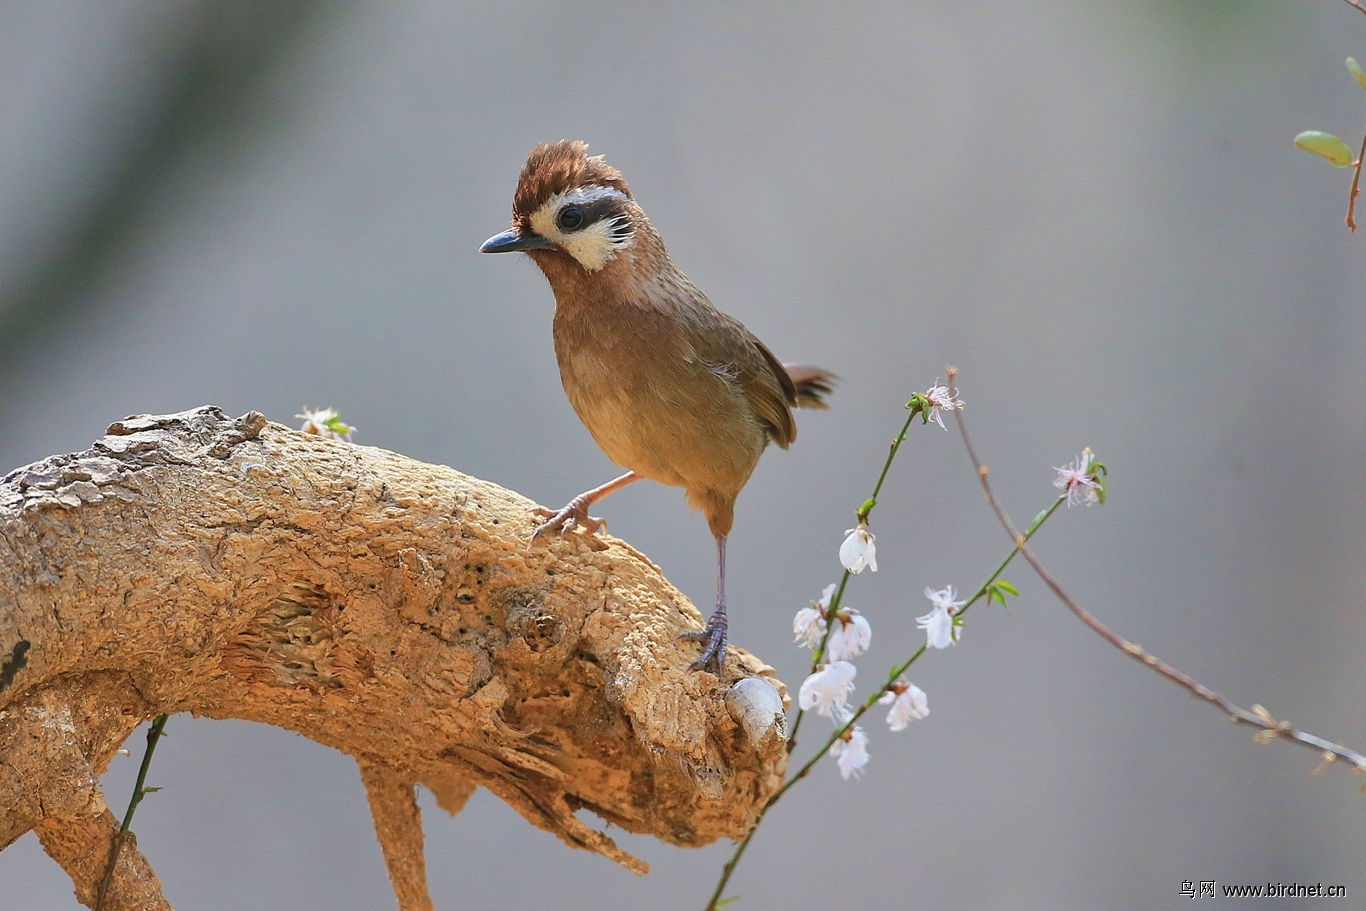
pixel 575 512
pixel 713 635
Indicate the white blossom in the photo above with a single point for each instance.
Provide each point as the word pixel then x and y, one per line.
pixel 940 630
pixel 827 691
pixel 859 550
pixel 808 626
pixel 850 636
pixel 851 753
pixel 325 422
pixel 908 703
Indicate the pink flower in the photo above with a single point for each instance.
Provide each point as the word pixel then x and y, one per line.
pixel 941 398
pixel 1080 480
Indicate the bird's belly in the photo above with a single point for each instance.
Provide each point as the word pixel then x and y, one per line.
pixel 676 423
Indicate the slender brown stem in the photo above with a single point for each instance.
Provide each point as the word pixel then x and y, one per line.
pixel 1356 183
pixel 1257 716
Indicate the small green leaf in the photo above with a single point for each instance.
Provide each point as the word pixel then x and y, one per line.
pixel 998 590
pixel 867 507
pixel 1326 145
pixel 337 425
pixel 1355 69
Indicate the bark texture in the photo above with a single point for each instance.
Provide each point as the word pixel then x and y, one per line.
pixel 234 568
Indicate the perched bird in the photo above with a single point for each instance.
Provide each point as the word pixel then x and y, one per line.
pixel 670 387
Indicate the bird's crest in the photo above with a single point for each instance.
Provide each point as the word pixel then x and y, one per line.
pixel 558 167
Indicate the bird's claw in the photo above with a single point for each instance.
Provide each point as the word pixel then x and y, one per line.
pixel 573 515
pixel 713 637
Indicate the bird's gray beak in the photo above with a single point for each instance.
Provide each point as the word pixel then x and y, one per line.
pixel 511 241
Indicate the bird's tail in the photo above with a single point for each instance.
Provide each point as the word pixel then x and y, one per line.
pixel 813 384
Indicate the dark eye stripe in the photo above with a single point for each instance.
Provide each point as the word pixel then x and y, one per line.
pixel 575 216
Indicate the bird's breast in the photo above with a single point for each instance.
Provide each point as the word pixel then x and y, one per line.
pixel 651 403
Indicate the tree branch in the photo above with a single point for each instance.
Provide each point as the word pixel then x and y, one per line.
pixel 1269 727
pixel 388 608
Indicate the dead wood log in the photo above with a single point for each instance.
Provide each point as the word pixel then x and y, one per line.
pixel 234 568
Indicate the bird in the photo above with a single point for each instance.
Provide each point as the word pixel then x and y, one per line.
pixel 671 388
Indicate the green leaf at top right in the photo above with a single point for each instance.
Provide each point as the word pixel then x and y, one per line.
pixel 1326 145
pixel 1355 69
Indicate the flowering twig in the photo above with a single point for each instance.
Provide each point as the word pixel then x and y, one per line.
pixel 918 405
pixel 858 547
pixel 827 689
pixel 983 591
pixel 928 406
pixel 1257 716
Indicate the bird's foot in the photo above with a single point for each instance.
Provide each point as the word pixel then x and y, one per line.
pixel 713 639
pixel 573 515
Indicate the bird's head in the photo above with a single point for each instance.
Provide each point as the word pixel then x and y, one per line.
pixel 570 207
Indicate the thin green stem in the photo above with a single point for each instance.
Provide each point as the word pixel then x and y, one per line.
pixel 868 703
pixel 837 598
pixel 887 463
pixel 140 790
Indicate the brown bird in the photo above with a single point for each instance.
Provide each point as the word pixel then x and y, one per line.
pixel 670 387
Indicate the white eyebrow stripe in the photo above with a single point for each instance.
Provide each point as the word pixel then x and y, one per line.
pixel 586 195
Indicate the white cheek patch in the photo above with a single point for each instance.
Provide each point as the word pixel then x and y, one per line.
pixel 593 246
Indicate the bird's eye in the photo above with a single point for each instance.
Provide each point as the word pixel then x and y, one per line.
pixel 571 218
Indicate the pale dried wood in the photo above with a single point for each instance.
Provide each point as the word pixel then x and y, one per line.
pixel 234 568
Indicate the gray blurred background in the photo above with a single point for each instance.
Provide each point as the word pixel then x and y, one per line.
pixel 1093 209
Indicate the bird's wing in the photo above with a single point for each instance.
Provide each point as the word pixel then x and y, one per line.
pixel 765 382
pixel 772 394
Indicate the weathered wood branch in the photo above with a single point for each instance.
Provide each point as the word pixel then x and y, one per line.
pixel 391 609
